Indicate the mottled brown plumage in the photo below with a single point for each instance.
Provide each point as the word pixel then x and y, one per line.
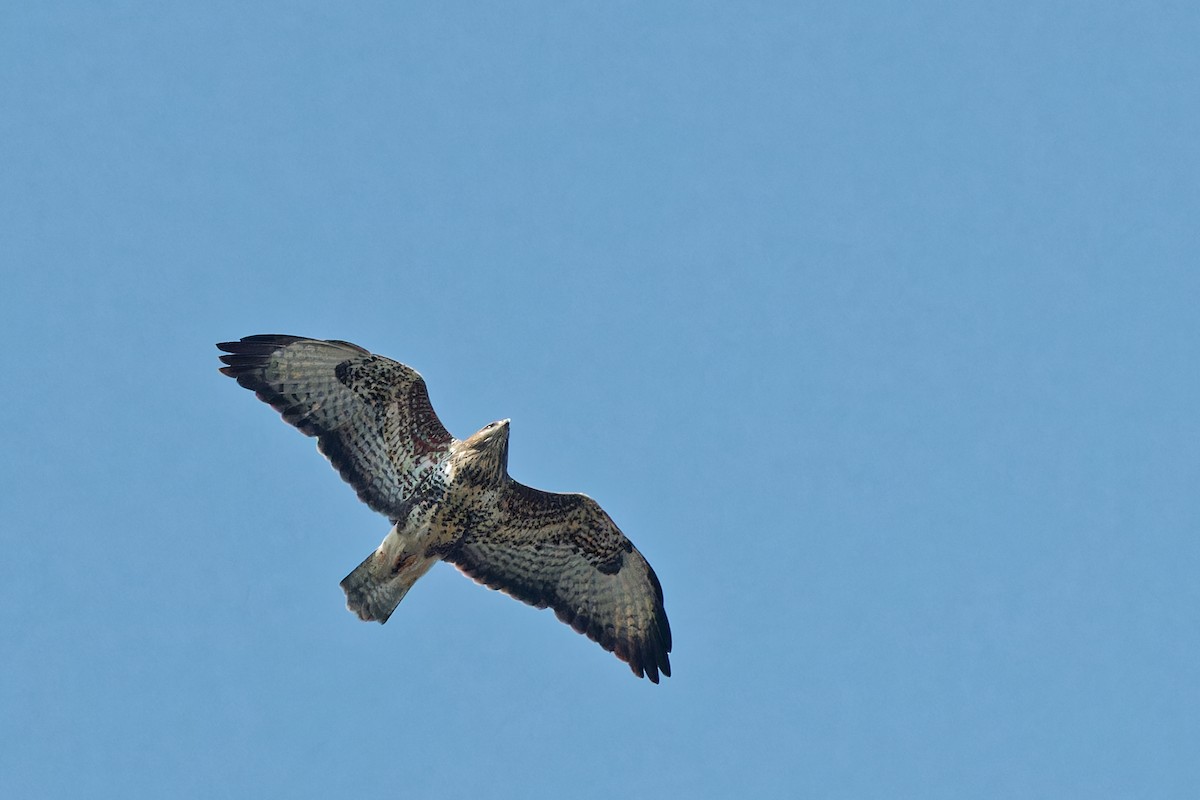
pixel 453 500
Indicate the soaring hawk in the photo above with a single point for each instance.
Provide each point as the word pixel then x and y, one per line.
pixel 452 500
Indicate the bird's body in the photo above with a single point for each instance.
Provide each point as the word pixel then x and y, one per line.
pixel 453 500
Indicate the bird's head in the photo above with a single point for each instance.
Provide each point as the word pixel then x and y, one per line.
pixel 492 432
pixel 488 447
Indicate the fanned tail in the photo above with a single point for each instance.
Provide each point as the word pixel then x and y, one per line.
pixel 379 583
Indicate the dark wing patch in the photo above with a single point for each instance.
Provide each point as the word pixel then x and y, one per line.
pixel 371 415
pixel 563 551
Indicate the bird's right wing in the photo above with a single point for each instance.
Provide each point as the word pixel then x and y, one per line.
pixel 563 551
pixel 371 415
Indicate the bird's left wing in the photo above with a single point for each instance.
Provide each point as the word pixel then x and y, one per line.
pixel 563 551
pixel 371 415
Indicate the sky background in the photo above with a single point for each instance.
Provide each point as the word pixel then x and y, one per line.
pixel 873 325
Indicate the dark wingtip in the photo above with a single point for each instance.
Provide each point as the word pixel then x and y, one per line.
pixel 250 353
pixel 259 343
pixel 652 660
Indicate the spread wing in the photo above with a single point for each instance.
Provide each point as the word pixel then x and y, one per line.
pixel 371 415
pixel 563 551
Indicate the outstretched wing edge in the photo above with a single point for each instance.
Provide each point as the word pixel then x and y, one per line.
pixel 371 416
pixel 564 552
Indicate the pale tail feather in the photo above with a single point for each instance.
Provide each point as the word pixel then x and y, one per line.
pixel 379 583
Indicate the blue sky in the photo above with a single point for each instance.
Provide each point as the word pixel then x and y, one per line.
pixel 873 325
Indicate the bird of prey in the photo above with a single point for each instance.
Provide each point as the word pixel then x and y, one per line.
pixel 452 499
